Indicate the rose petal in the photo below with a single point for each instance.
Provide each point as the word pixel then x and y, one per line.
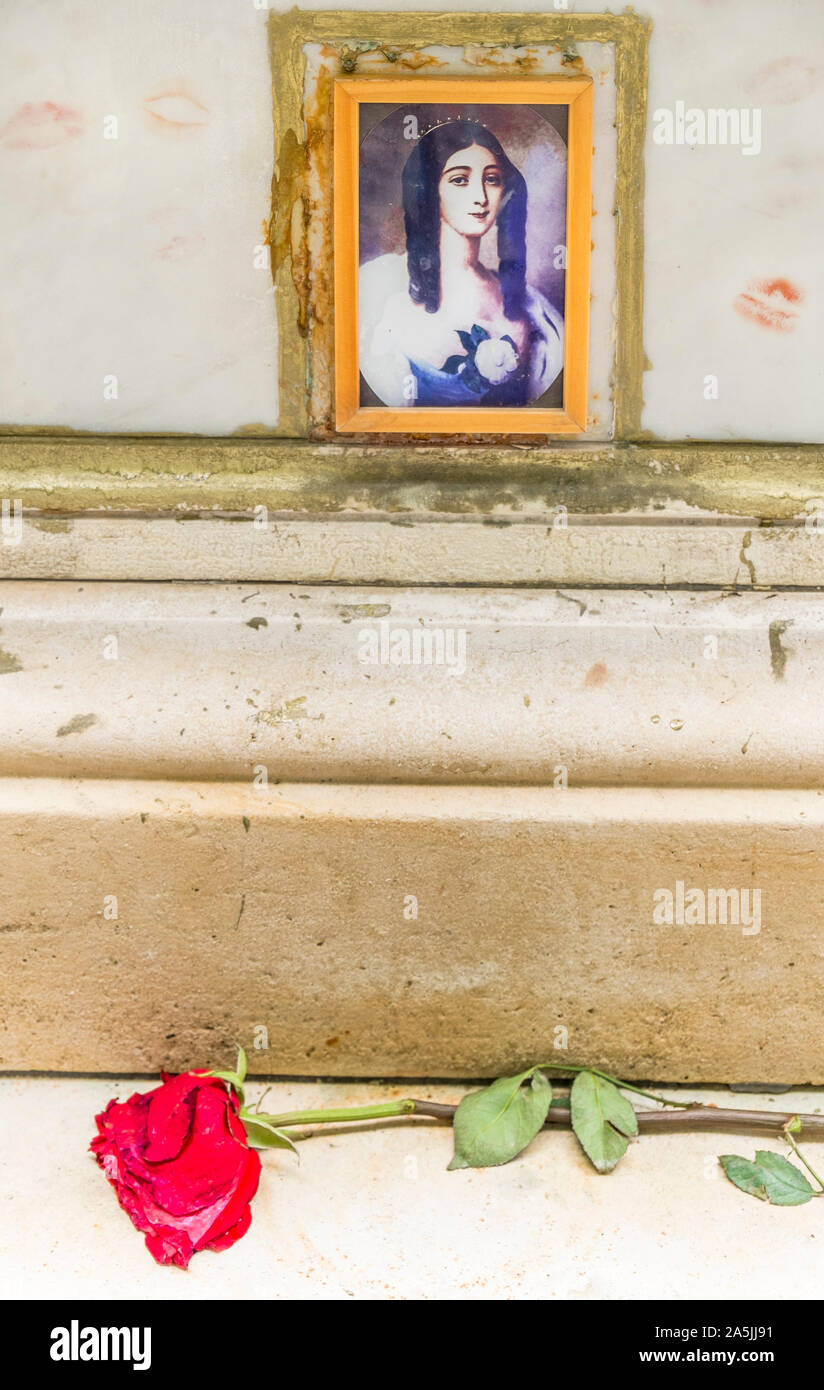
pixel 229 1237
pixel 180 1163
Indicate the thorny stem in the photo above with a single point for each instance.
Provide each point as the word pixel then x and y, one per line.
pixel 695 1117
pixel 688 1117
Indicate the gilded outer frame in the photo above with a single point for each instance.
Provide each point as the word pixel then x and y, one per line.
pixel 574 92
pixel 390 44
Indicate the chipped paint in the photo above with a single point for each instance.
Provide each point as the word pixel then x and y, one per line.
pixel 288 712
pixel 77 725
pixel 746 542
pixel 348 611
pixel 9 663
pixel 779 653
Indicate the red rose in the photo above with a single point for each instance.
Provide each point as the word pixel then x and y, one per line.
pixel 180 1162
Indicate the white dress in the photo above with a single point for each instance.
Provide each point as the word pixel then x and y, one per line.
pixel 389 323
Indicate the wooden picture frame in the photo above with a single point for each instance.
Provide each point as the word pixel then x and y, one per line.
pixel 352 415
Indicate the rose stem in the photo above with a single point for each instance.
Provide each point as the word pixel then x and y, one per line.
pixel 694 1117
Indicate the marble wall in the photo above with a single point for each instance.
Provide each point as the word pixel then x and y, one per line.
pixel 136 159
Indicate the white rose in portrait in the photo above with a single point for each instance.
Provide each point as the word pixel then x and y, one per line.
pixel 496 359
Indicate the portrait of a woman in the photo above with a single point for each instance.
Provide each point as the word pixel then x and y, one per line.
pixel 443 324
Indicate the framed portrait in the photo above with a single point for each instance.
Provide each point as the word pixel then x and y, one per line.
pixel 461 255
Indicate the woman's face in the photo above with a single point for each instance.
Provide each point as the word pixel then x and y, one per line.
pixel 471 187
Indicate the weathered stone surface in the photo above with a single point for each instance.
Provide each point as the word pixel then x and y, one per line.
pixel 210 682
pixel 290 909
pixel 505 547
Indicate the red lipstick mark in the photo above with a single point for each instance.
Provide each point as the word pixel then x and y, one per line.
pixel 783 81
pixel 40 125
pixel 769 302
pixel 175 110
pixel 179 247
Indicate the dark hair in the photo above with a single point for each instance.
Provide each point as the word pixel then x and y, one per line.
pixel 422 214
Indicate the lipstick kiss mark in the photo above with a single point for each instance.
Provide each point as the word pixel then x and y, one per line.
pixel 180 247
pixel 770 303
pixel 783 82
pixel 40 125
pixel 175 110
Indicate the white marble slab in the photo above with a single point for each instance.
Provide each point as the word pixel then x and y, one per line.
pixel 134 257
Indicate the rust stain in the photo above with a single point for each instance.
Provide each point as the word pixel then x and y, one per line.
pixel 527 59
pixel 287 195
pixel 317 290
pixel 415 60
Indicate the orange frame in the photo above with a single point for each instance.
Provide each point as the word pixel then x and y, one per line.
pixel 350 416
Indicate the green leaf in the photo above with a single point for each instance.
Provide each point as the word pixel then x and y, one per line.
pixel 793 1126
pixel 240 1066
pixel 467 341
pixel 495 1125
pixel 264 1136
pixel 478 334
pixel 771 1178
pixel 601 1118
pixel 745 1174
pixel 786 1185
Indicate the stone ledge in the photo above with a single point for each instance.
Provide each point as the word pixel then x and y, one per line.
pixel 684 547
pixel 597 687
pixel 293 910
